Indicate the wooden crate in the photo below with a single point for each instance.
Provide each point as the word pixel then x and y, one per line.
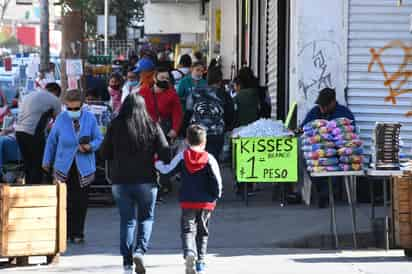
pixel 402 211
pixel 32 220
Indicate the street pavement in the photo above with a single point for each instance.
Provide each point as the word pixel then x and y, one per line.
pixel 244 240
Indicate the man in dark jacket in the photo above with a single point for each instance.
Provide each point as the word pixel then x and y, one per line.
pixel 327 108
pixel 212 108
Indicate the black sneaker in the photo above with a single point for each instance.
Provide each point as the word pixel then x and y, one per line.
pixel 139 264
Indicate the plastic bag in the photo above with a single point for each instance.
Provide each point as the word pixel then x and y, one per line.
pixel 350 151
pixel 317 146
pixel 311 148
pixel 340 122
pixel 353 159
pixel 315 124
pixel 346 136
pixel 323 162
pixel 307 141
pixel 350 167
pixel 315 155
pixel 320 138
pixel 342 130
pixel 321 169
pixel 351 144
pixel 317 131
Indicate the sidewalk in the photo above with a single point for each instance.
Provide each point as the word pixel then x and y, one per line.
pixel 244 240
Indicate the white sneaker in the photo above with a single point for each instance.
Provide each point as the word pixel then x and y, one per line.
pixel 128 269
pixel 190 264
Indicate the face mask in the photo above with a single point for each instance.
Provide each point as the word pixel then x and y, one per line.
pixel 74 114
pixel 196 78
pixel 162 84
pixel 133 83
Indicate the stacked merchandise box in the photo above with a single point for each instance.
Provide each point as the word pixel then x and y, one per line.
pixel 386 146
pixel 402 212
pixel 32 220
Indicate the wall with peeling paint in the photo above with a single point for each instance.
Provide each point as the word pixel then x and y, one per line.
pixel 318 51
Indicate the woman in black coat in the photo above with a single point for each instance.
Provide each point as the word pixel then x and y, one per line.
pixel 132 142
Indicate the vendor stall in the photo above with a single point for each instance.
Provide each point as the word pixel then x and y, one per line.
pixel 349 178
pixel 333 149
pixel 264 152
pixel 387 183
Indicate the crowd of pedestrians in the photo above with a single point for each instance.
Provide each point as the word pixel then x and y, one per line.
pixel 165 122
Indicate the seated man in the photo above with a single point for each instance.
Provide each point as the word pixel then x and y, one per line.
pixel 327 108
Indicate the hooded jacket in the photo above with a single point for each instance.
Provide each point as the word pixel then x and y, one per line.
pixel 201 182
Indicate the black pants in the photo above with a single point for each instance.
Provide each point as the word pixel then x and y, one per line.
pixel 165 182
pixel 77 203
pixel 215 144
pixel 195 232
pixel 32 150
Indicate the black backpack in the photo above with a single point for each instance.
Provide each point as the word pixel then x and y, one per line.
pixel 207 110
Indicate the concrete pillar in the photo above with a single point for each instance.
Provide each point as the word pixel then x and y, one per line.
pixel 228 43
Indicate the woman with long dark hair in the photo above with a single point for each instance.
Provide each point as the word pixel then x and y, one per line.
pixel 131 144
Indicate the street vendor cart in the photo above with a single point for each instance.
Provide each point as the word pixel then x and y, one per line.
pixel 101 190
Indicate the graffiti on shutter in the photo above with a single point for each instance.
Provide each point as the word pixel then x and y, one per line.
pixel 397 81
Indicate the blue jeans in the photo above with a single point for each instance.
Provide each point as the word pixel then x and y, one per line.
pixel 136 204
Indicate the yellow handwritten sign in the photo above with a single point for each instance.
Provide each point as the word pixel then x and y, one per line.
pixel 218 25
pixel 266 160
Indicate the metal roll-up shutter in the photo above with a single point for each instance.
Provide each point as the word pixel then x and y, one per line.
pixel 272 53
pixel 373 26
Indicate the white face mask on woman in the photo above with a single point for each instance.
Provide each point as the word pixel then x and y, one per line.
pixel 74 114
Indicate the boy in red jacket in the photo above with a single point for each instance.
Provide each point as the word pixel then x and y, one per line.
pixel 201 187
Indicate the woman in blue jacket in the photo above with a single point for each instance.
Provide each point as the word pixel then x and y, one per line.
pixel 70 150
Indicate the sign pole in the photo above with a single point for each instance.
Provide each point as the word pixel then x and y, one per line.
pixel 106 27
pixel 44 36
